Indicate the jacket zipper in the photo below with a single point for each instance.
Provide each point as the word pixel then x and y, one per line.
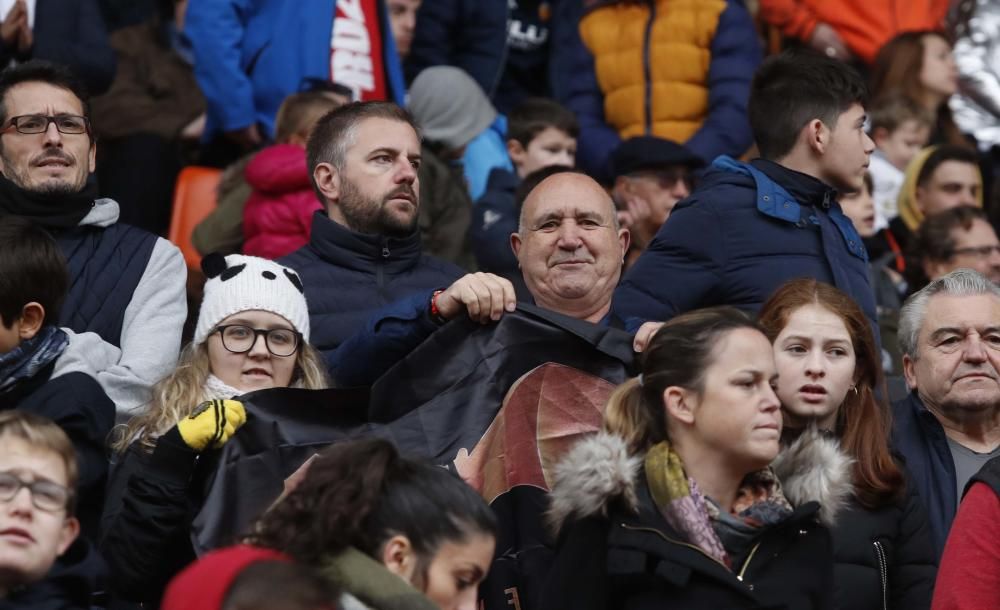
pixel 739 575
pixel 379 277
pixel 647 69
pixel 883 573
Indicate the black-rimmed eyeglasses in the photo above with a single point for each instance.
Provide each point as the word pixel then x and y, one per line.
pixel 39 123
pixel 240 339
pixel 977 251
pixel 45 495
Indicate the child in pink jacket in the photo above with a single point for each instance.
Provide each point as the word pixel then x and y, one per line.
pixel 278 215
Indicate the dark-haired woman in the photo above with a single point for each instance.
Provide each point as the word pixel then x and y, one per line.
pixel 390 532
pixel 674 505
pixel 828 369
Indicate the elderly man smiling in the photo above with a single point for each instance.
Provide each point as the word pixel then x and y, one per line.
pixel 949 425
pixel 569 248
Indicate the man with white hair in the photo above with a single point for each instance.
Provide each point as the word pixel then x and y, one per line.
pixel 949 425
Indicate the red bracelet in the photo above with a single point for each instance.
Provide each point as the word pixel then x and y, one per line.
pixel 435 312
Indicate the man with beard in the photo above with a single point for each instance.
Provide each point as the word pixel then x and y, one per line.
pixel 949 425
pixel 364 250
pixel 126 304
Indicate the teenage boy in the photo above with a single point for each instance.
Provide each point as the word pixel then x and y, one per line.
pixel 750 227
pixel 900 128
pixel 38 475
pixel 540 133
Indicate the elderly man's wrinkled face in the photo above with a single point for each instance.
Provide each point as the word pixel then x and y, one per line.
pixel 957 369
pixel 569 247
pixel 50 161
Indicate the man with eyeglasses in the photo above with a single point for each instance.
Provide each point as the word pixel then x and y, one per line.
pixel 126 303
pixel 37 481
pixel 650 176
pixel 960 237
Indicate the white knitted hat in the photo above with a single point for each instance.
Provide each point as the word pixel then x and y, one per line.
pixel 238 283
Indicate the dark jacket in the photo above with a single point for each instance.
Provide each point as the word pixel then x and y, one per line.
pixel 146 526
pixel 633 559
pixel 445 208
pixel 748 229
pixel 72 33
pixel 884 558
pixel 919 438
pixel 349 275
pixel 76 402
pixel 504 48
pixel 494 218
pixel 106 265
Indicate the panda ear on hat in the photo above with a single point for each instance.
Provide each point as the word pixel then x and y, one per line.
pixel 212 265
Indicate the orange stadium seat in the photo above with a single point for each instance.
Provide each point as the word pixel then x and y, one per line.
pixel 194 198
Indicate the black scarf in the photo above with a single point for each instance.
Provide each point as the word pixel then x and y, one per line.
pixel 50 210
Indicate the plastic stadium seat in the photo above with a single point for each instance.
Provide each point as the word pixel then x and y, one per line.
pixel 194 198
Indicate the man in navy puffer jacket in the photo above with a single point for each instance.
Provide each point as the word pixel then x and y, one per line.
pixel 364 250
pixel 750 227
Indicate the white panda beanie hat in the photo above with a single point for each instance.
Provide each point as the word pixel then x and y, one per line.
pixel 238 283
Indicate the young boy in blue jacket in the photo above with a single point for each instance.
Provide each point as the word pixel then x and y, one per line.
pixel 749 227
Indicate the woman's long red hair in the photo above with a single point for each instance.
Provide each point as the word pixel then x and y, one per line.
pixel 863 422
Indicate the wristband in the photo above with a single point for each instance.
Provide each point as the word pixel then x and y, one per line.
pixel 435 312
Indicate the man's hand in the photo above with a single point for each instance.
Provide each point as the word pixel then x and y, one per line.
pixel 644 335
pixel 826 40
pixel 25 38
pixel 636 217
pixel 16 19
pixel 483 295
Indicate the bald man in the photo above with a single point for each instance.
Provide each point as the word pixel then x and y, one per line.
pixel 570 250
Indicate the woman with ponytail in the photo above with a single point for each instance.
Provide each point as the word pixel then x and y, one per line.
pixel 828 372
pixel 675 503
pixel 388 531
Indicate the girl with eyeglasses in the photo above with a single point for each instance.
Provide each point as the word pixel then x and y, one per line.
pixel 828 370
pixel 252 334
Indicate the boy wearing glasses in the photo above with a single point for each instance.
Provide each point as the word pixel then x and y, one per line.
pixel 38 476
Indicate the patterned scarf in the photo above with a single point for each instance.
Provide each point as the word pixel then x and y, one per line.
pixel 31 356
pixel 217 389
pixel 720 534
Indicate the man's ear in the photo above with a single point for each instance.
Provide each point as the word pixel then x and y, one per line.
pixel 817 136
pixel 679 403
pixel 518 155
pixel 910 372
pixel 399 557
pixel 624 238
pixel 70 530
pixel 933 269
pixel 31 320
pixel 515 243
pixel 327 180
pixel 92 156
pixel 919 194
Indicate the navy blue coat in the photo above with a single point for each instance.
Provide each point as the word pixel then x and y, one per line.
pixel 919 437
pixel 746 230
pixel 494 218
pixel 503 46
pixel 348 275
pixel 72 33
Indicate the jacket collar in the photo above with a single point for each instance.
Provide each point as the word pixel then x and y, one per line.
pixel 338 245
pixel 781 193
pixel 599 472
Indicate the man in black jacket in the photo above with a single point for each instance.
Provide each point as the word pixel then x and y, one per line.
pixel 364 251
pixel 949 425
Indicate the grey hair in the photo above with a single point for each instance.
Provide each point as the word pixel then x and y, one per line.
pixel 960 282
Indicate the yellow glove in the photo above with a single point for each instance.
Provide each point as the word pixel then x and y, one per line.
pixel 212 423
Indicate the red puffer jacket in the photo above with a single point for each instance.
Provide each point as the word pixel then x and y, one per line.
pixel 278 215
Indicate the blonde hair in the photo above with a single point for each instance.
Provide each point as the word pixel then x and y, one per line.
pixel 299 113
pixel 44 435
pixel 176 396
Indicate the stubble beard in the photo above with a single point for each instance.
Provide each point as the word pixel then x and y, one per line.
pixel 368 215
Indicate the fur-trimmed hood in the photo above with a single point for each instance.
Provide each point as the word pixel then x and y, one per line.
pixel 599 471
